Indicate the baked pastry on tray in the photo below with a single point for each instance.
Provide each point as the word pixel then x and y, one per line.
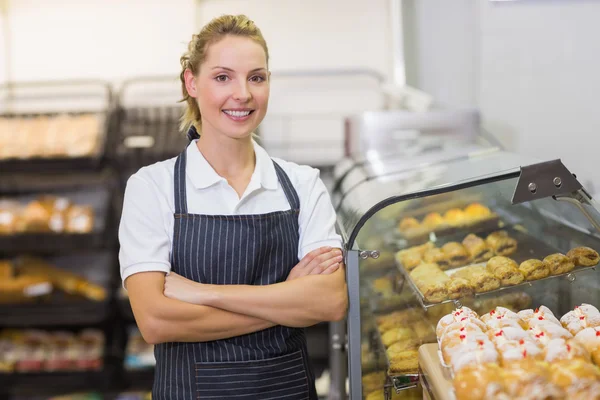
pixel 534 269
pixel 477 248
pixel 459 288
pixel 433 221
pixel 404 362
pixel 584 256
pixel 408 223
pixel 477 211
pixel 559 264
pixel 501 243
pixel 431 281
pixel 437 256
pixel 481 279
pixel 455 216
pixel 456 253
pixel 506 270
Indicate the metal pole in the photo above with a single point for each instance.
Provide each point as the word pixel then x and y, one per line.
pixel 354 339
pixel 338 360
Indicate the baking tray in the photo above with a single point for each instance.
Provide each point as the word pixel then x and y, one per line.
pixel 534 249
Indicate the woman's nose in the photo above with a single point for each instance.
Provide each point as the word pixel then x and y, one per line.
pixel 242 92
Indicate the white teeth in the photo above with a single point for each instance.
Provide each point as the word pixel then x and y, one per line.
pixel 237 113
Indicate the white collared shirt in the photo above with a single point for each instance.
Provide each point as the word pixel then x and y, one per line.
pixel 146 228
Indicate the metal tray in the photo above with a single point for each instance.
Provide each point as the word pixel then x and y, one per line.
pixel 528 247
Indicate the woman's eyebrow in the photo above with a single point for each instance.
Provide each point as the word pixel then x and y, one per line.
pixel 229 69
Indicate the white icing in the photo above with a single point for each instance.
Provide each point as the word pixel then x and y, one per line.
pixel 545 331
pixel 467 326
pixel 56 223
pixel 6 218
pixel 61 204
pixel 501 323
pixel 589 338
pixel 482 355
pixel 499 312
pixel 543 313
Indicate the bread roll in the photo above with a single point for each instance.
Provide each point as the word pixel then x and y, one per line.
pixel 501 243
pixel 584 256
pixel 534 269
pixel 506 270
pixel 559 264
pixel 477 248
pixel 431 281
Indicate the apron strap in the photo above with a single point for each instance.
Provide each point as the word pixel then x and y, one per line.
pixel 288 188
pixel 192 133
pixel 180 193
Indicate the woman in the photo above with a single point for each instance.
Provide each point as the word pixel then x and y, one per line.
pixel 227 254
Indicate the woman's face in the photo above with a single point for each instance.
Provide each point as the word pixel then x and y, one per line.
pixel 232 87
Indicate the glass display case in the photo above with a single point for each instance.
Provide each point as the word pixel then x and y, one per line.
pixel 483 230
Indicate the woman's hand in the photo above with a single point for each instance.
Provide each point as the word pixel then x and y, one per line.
pixel 321 261
pixel 179 288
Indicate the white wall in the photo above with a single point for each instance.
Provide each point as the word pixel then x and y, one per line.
pixel 531 66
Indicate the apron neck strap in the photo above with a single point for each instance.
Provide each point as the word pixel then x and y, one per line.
pixel 180 193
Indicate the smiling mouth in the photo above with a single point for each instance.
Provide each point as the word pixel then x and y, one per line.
pixel 238 114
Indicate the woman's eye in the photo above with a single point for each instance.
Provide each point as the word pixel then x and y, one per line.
pixel 257 79
pixel 221 78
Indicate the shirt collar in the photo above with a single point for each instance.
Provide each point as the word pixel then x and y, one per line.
pixel 202 174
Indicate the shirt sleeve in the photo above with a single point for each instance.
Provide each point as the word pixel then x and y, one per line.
pixel 317 216
pixel 144 242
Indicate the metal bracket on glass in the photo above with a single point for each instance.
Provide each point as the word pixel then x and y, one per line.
pixel 543 180
pixel 364 254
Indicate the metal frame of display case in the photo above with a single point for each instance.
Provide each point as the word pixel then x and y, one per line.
pixel 536 181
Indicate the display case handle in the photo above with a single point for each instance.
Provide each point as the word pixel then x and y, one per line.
pixel 546 179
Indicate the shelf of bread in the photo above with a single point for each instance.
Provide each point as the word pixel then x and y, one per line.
pixel 462 265
pixel 445 220
pixel 32 142
pixel 66 290
pixel 504 354
pixel 51 223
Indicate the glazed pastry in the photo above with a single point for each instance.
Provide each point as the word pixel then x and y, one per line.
pixel 518 350
pixel 431 281
pixel 582 317
pixel 561 349
pixel 395 335
pixel 461 314
pixel 534 269
pixel 590 339
pixel 404 362
pixel 477 211
pixel 455 217
pixel 480 382
pixel 558 264
pixel 438 257
pixel 506 270
pixel 570 373
pixel 584 256
pixel 433 220
pixel 459 288
pixel 408 223
pixel 545 331
pixel 477 248
pixel 530 379
pixel 542 313
pixel 456 253
pixel 501 243
pixel 481 279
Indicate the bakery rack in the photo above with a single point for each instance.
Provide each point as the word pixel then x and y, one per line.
pixel 53 98
pixel 528 247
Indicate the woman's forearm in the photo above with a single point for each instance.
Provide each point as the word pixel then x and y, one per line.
pixel 298 303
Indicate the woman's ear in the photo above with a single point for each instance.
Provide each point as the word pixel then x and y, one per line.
pixel 190 83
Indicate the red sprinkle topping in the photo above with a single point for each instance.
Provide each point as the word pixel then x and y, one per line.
pixel 462 329
pixel 480 342
pixel 500 333
pixel 597 333
pixel 582 318
pixel 537 310
pixel 464 318
pixel 492 312
pixel 499 317
pixel 541 318
pixel 462 337
pixel 524 353
pixel 539 334
pixel 568 347
pixel 521 341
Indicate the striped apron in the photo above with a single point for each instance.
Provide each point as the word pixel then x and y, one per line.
pixel 230 250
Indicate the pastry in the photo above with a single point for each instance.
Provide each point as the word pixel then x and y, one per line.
pixel 570 373
pixel 469 325
pixel 518 350
pixel 10 212
pixel 590 339
pixel 481 279
pixel 561 349
pixel 80 219
pixel 543 313
pixel 433 220
pixel 424 331
pixel 408 223
pixel 461 314
pixel 373 381
pixel 477 211
pixel 501 243
pixel 457 343
pixel 455 217
pixel 403 317
pixel 501 317
pixel 459 288
pixel 512 301
pixel 506 270
pixel 583 316
pixel 530 379
pixel 559 264
pixel 397 334
pixel 501 336
pixel 24 288
pixel 402 346
pixel 477 248
pixel 431 282
pixel 409 259
pixel 438 257
pixel 382 286
pixel 404 362
pixel 6 270
pixel 480 382
pixel 584 256
pixel 534 269
pixel 456 253
pixel 483 353
pixel 544 331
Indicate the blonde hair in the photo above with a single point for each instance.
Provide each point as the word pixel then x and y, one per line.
pixel 214 31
